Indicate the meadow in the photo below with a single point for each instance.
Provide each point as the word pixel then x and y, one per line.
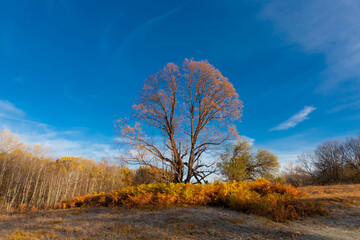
pixel 77 198
pixel 189 221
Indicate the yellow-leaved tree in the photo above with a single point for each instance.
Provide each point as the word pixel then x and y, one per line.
pixel 241 162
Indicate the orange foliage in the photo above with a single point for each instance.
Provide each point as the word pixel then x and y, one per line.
pixel 194 107
pixel 276 201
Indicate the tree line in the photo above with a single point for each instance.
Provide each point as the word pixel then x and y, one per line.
pixel 30 177
pixel 332 162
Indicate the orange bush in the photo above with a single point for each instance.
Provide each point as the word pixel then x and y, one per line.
pixel 274 200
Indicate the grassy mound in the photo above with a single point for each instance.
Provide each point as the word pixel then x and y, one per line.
pixel 276 201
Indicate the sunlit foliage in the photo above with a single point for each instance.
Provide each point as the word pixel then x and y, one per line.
pixel 30 178
pixel 276 201
pixel 241 162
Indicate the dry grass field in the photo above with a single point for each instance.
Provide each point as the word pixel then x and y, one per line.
pixel 336 193
pixel 343 222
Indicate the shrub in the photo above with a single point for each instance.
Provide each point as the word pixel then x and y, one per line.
pixel 276 201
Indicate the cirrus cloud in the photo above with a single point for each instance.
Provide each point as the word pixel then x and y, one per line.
pixel 295 119
pixel 60 143
pixel 330 28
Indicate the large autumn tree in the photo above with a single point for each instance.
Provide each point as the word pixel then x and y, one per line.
pixel 189 110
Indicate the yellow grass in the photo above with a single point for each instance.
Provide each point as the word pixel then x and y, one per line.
pixel 338 193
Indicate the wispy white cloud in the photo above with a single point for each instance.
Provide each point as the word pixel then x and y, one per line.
pixel 61 143
pixel 9 111
pixel 295 120
pixel 67 146
pixel 148 23
pixel 106 38
pixel 8 108
pixel 349 105
pixel 288 148
pixel 23 120
pixel 250 140
pixel 330 28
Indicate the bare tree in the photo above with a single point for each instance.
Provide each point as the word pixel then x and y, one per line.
pixel 296 175
pixel 352 152
pixel 328 162
pixel 331 162
pixel 325 165
pixel 190 110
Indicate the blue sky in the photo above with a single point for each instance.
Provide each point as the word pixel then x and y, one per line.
pixel 68 69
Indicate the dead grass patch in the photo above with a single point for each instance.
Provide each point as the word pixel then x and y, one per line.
pixel 19 234
pixel 176 223
pixel 345 195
